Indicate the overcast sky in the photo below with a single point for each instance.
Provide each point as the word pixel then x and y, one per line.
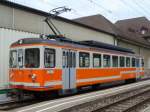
pixel 112 9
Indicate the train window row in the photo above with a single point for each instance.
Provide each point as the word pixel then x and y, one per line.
pixel 108 61
pixel 32 59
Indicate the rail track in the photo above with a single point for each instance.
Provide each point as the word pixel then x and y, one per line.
pixel 16 104
pixel 130 103
pixel 8 105
pixel 119 102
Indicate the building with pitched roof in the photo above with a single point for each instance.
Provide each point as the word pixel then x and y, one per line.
pixel 130 33
pixel 18 21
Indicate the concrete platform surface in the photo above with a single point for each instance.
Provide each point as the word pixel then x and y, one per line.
pixel 146 110
pixel 3 98
pixel 67 102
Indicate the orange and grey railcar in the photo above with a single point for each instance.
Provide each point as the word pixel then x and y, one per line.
pixel 38 64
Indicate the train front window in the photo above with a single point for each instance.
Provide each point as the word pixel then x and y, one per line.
pixel 49 58
pixel 32 58
pixel 13 59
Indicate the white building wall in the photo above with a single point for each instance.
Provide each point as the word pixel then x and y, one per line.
pixel 30 22
pixel 80 33
pixel 138 50
pixel 146 54
pixel 7 37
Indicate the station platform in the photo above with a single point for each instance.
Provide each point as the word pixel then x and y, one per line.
pixel 146 109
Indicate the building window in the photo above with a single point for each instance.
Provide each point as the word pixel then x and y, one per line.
pixel 127 62
pixel 106 60
pixel 49 58
pixel 96 60
pixel 115 61
pixel 131 30
pixel 143 30
pixel 122 61
pixel 32 58
pixel 133 62
pixel 84 59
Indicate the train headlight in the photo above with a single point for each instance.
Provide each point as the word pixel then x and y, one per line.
pixel 20 41
pixel 33 77
pixel 11 75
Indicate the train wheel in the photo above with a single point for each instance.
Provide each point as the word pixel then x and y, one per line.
pixel 95 86
pixel 46 94
pixel 128 81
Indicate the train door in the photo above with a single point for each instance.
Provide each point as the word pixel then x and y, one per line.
pixel 69 69
pixel 20 65
pixel 137 68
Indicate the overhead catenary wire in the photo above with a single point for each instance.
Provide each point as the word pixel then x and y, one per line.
pixel 73 9
pixel 136 8
pixel 146 2
pixel 133 9
pixel 75 12
pixel 102 7
pixel 109 11
pixel 141 7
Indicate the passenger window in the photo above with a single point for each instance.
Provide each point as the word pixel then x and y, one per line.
pixel 122 61
pixel 106 60
pixel 115 61
pixel 49 58
pixel 137 62
pixel 84 59
pixel 13 59
pixel 127 62
pixel 133 62
pixel 142 62
pixel 67 58
pixel 74 59
pixel 70 59
pixel 96 60
pixel 64 59
pixel 20 58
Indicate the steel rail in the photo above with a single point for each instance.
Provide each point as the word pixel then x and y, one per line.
pixel 124 108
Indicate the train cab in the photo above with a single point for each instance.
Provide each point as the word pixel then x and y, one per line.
pixel 32 66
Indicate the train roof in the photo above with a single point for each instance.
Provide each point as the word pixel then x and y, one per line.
pixel 64 40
